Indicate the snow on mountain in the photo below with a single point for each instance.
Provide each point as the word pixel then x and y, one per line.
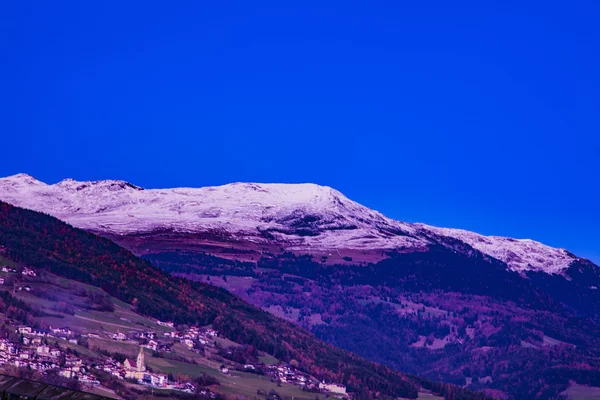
pixel 301 216
pixel 519 254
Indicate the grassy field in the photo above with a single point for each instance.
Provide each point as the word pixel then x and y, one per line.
pixel 5 261
pixel 243 384
pixel 426 396
pixel 67 292
pixel 268 359
pixel 84 352
pixel 581 392
pixel 102 392
pixel 409 307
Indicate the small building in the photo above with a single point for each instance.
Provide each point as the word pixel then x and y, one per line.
pixel 67 373
pixel 138 375
pixel 152 344
pixel 158 380
pixel 212 332
pixel 119 336
pixel 129 365
pixel 24 330
pixel 61 331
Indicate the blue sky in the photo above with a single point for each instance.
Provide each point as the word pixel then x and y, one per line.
pixel 479 115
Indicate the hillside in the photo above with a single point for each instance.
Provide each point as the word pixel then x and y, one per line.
pixel 86 324
pixel 437 314
pixel 45 243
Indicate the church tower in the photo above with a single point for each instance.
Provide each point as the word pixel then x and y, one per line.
pixel 141 366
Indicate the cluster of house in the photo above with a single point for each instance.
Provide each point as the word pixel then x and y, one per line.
pixel 144 339
pixel 290 375
pixel 150 340
pixel 194 335
pixel 136 371
pixel 24 271
pixel 34 354
pixel 57 333
pixel 166 324
pixel 6 268
pixel 282 373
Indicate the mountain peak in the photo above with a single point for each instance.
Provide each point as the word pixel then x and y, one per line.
pixel 112 185
pixel 285 192
pixel 21 178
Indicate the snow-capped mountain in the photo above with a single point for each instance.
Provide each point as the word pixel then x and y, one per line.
pixel 299 216
pixel 519 254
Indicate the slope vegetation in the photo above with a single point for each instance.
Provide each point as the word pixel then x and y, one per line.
pixel 42 241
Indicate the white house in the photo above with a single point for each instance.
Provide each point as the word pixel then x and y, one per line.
pixel 158 379
pixel 119 336
pixel 25 330
pixel 61 331
pixel 152 344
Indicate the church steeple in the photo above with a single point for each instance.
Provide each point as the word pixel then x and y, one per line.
pixel 140 364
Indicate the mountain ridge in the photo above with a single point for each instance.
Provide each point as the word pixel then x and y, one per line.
pixel 300 217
